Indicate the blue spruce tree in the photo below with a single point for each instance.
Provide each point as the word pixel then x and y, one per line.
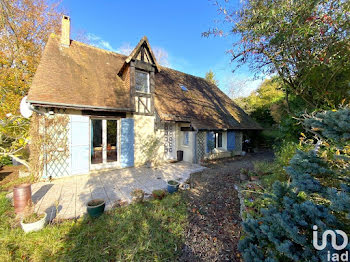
pixel 318 194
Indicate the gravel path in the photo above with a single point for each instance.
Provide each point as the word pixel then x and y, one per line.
pixel 214 221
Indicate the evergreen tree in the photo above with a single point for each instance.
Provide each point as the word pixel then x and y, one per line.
pixel 318 194
pixel 210 77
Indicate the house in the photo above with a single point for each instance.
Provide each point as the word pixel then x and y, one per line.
pixel 125 111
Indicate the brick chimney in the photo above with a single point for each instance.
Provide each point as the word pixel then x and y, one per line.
pixel 65 31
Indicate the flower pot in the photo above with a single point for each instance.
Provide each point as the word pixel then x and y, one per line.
pixel 96 207
pixel 35 226
pixel 173 186
pixel 22 197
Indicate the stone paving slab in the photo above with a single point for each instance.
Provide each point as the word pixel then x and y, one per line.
pixel 66 198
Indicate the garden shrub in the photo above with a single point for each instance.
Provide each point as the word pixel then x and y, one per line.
pixel 5 161
pixel 284 230
pixel 285 152
pixel 263 167
pixel 269 172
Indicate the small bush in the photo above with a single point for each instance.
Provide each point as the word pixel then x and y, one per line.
pixel 285 152
pixel 137 195
pixel 263 167
pixel 158 194
pixel 5 161
pixel 268 180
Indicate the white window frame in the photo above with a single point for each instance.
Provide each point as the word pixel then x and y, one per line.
pixel 105 164
pixel 217 139
pixel 184 134
pixel 148 83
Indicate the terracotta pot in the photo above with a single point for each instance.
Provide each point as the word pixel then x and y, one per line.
pixel 22 197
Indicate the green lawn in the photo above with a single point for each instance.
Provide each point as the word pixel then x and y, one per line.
pixel 152 231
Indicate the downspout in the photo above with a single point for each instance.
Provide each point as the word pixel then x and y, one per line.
pixel 195 146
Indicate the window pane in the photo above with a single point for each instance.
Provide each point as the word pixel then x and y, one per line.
pixel 96 143
pixel 219 139
pixel 142 82
pixel 112 140
pixel 215 140
pixel 186 138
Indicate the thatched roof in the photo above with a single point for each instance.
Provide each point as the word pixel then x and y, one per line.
pixel 83 76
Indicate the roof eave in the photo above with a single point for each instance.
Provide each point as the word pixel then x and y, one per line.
pixel 79 107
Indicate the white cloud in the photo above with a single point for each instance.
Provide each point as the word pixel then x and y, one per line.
pixel 160 53
pixel 99 42
pixel 125 49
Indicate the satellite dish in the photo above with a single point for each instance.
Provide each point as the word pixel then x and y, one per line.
pixel 25 108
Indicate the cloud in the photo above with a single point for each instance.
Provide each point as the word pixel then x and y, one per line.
pixel 125 49
pixel 99 42
pixel 160 53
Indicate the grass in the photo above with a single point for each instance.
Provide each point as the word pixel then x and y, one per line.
pixel 152 231
pixel 34 217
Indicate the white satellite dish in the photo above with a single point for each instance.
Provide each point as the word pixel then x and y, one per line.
pixel 25 108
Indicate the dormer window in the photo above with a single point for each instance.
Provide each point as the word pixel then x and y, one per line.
pixel 142 82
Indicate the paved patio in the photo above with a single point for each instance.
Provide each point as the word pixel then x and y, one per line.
pixel 67 197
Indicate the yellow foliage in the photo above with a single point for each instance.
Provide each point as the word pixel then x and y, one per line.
pixel 24 29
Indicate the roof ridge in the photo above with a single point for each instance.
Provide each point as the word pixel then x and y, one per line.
pixel 202 78
pixel 90 46
pixel 126 56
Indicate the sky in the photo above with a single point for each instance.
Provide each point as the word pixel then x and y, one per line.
pixel 173 28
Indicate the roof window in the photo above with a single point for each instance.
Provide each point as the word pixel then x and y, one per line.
pixel 183 88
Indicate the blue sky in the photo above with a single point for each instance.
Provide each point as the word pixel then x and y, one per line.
pixel 172 27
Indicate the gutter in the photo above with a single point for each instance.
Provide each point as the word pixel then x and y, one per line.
pixel 195 146
pixel 95 108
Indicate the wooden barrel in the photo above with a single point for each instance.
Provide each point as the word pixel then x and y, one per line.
pixel 22 197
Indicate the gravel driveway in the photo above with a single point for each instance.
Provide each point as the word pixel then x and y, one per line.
pixel 214 221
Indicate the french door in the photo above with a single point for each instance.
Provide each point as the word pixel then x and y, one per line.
pixel 104 141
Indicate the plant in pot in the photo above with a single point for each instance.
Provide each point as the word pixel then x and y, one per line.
pixel 137 195
pixel 32 221
pixel 96 207
pixel 173 186
pixel 158 194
